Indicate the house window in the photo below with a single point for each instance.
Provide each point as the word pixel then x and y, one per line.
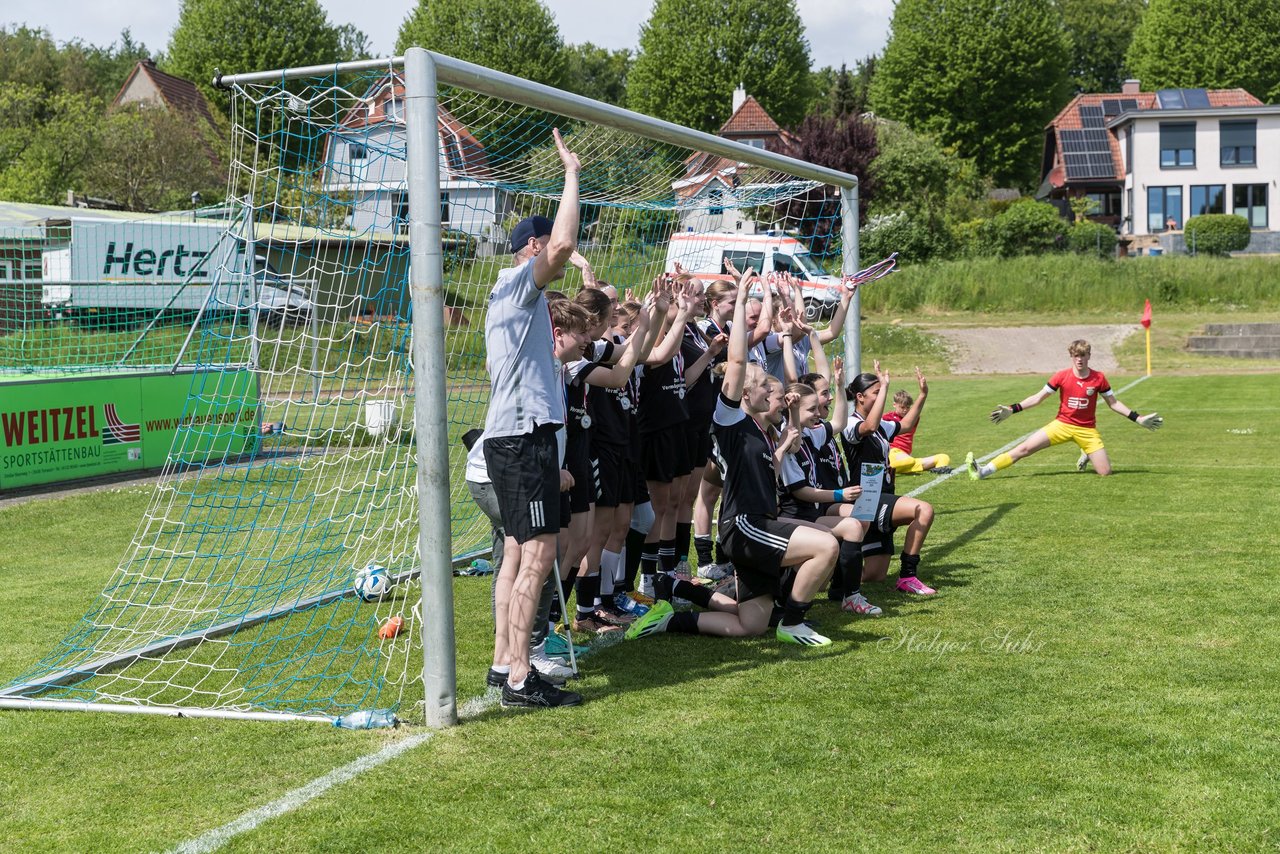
pixel 1128 152
pixel 1239 142
pixel 743 260
pixel 395 109
pixel 1128 203
pixel 400 208
pixel 1209 199
pixel 1105 204
pixel 1250 202
pixel 1177 145
pixel 1164 208
pixel 454 155
pixel 444 208
pixel 716 198
pixel 755 143
pixel 355 151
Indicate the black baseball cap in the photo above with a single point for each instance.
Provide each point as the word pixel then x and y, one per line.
pixel 530 226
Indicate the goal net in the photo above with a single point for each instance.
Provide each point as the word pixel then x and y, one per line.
pixel 237 593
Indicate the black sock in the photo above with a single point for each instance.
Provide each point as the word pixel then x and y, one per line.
pixel 663 586
pixel 566 584
pixel 703 546
pixel 667 555
pixel 695 593
pixel 649 559
pixel 910 565
pixel 849 567
pixel 684 623
pixel 634 549
pixel 588 590
pixel 793 613
pixel 683 530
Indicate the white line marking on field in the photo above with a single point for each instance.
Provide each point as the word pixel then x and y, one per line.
pixel 924 487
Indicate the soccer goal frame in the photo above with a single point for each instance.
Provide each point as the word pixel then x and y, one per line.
pixel 424 73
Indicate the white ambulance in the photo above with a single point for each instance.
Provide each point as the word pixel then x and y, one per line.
pixel 707 252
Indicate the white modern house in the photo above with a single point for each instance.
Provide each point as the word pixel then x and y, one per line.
pixel 365 159
pixel 1152 160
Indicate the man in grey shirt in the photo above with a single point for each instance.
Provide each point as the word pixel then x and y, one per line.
pixel 526 409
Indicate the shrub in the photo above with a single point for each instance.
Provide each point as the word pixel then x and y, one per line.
pixel 1026 228
pixel 897 232
pixel 1216 234
pixel 1092 238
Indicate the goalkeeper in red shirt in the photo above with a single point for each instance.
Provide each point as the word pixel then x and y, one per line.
pixel 1078 389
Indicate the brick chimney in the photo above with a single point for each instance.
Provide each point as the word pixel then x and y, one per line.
pixel 1132 86
pixel 739 98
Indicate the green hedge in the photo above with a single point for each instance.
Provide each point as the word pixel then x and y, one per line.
pixel 1216 234
pixel 1092 238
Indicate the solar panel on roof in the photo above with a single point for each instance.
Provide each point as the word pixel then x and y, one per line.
pixel 1196 99
pixel 1171 99
pixel 1111 107
pixel 1127 104
pixel 1091 116
pixel 1097 139
pixel 1073 141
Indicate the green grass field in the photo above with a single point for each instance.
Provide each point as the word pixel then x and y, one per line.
pixel 1100 672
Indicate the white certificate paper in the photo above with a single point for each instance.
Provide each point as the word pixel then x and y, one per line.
pixel 872 480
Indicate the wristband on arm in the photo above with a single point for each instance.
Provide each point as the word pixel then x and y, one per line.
pixel 838 495
pixel 1016 407
pixel 1133 415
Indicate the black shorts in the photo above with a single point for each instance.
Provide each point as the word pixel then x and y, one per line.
pixel 616 475
pixel 577 461
pixel 525 473
pixel 756 546
pixel 665 454
pixel 879 538
pixel 697 437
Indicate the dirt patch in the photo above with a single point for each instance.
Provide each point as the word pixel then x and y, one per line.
pixel 1028 349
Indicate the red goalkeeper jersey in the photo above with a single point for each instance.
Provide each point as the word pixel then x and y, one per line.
pixel 903 441
pixel 1078 398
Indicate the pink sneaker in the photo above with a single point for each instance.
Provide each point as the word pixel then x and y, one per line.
pixel 916 586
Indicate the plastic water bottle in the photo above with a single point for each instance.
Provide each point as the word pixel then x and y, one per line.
pixel 367 719
pixel 480 566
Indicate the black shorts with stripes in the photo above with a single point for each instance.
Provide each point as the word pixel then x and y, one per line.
pixel 578 462
pixel 525 473
pixel 879 538
pixel 756 546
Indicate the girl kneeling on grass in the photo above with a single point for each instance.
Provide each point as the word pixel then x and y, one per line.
pixel 760 545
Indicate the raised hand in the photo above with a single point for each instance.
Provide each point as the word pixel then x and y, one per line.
pixel 790 440
pixel 583 265
pixel 883 375
pixel 924 386
pixel 716 345
pixel 837 372
pixel 1000 413
pixel 790 399
pixel 567 157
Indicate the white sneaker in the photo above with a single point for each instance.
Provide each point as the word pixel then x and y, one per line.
pixel 856 603
pixel 646 585
pixel 548 668
pixel 715 571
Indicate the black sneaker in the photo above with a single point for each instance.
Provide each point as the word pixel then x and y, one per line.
pixel 494 679
pixel 943 470
pixel 537 693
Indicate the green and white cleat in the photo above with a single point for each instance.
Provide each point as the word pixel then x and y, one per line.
pixel 1083 462
pixel 803 634
pixel 653 622
pixel 971 466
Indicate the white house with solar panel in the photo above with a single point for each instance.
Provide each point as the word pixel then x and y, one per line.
pixel 1151 160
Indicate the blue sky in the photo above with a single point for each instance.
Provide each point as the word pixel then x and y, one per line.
pixel 838 30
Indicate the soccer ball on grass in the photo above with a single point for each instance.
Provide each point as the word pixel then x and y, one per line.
pixel 372 583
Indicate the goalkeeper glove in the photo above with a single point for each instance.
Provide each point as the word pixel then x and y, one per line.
pixel 1152 421
pixel 1000 413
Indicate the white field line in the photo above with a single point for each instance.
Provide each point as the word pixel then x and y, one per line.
pixel 290 801
pixel 924 487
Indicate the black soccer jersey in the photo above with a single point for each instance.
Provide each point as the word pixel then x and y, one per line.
pixel 700 398
pixel 872 448
pixel 662 395
pixel 744 456
pixel 575 396
pixel 830 468
pixel 799 470
pixel 610 409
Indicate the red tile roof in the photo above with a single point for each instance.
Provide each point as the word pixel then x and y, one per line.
pixel 178 94
pixel 1069 119
pixel 750 118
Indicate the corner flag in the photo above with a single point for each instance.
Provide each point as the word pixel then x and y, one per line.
pixel 1146 316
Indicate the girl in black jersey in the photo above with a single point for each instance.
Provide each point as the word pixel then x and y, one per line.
pixel 866 441
pixel 701 351
pixel 761 546
pixel 663 445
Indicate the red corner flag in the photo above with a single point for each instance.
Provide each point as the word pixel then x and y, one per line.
pixel 1146 315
